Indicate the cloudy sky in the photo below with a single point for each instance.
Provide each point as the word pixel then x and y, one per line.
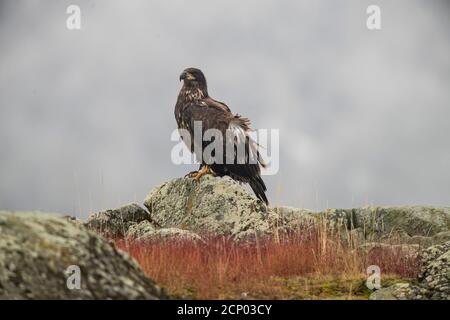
pixel 86 115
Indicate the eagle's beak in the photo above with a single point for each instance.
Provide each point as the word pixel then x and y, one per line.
pixel 183 75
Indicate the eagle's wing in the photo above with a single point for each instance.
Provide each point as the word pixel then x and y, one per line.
pixel 245 158
pixel 210 116
pixel 216 104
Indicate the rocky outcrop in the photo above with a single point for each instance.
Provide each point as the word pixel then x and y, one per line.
pixel 41 254
pixel 145 231
pixel 406 221
pixel 406 250
pixel 219 206
pixel 289 218
pixel 37 249
pixel 433 281
pixel 222 206
pixel 398 291
pixel 184 209
pixel 139 230
pixel 115 223
pixel 435 276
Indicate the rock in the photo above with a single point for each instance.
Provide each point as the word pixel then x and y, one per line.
pixel 347 218
pixel 115 223
pixel 407 250
pixel 77 221
pixel 289 218
pixel 441 237
pixel 422 241
pixel 36 249
pixel 398 291
pixel 412 220
pixel 433 281
pixel 220 206
pixel 410 224
pixel 172 234
pixel 145 231
pixel 435 274
pixel 138 230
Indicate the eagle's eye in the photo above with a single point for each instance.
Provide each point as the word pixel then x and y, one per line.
pixel 187 76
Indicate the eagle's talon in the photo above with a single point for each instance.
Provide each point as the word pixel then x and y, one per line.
pixel 191 174
pixel 204 170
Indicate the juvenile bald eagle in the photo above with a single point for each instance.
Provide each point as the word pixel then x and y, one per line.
pixel 195 106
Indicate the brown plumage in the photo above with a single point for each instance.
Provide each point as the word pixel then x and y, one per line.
pixel 194 104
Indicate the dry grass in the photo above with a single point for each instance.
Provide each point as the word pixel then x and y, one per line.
pixel 315 262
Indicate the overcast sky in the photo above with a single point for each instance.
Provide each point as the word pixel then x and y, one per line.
pixel 86 115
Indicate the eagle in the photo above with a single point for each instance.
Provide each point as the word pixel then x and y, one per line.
pixel 194 106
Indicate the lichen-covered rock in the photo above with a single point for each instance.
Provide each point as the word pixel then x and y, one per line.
pixel 290 218
pixel 220 206
pixel 137 230
pixel 115 223
pixel 145 231
pixel 435 275
pixel 223 206
pixel 74 220
pixel 441 237
pixel 422 225
pixel 398 291
pixel 413 220
pixel 36 250
pixel 433 281
pixel 346 218
pixel 406 250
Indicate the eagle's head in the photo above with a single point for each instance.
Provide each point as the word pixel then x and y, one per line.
pixel 194 78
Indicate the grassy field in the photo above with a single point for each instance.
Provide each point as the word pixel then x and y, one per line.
pixel 313 263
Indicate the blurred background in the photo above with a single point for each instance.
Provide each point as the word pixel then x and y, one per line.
pixel 86 115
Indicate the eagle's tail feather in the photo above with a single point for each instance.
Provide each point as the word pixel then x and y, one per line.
pixel 259 188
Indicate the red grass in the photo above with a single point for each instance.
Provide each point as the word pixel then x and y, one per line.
pixel 221 268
